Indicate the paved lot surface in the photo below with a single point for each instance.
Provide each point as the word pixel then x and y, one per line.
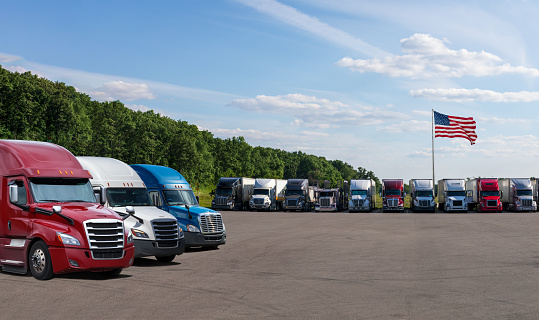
pixel 315 266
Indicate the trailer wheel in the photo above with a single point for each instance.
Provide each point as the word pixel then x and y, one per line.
pixel 39 261
pixel 165 258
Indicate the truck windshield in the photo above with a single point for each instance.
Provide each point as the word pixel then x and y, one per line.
pixel 359 192
pixel 223 192
pixel 524 193
pixel 121 197
pixel 326 194
pixel 456 193
pixel 294 192
pixel 180 197
pixel 393 192
pixel 61 190
pixel 490 193
pixel 427 193
pixel 264 192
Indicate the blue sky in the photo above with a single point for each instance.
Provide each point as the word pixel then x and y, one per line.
pixel 345 79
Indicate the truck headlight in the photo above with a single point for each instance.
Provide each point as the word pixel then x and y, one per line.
pixel 139 234
pixel 192 228
pixel 67 239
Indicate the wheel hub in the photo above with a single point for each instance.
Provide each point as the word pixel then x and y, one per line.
pixel 38 260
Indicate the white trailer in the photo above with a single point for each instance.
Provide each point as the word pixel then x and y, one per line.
pixel 362 195
pixel 452 195
pixel 517 194
pixel 118 187
pixel 267 194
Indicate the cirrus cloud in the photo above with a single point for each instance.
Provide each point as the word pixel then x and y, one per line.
pixel 315 112
pixel 119 90
pixel 427 57
pixel 470 95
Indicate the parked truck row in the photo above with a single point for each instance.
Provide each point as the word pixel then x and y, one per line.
pixel 62 214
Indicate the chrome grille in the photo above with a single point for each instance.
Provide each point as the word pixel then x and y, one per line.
pixel 358 203
pixel 457 203
pixel 527 202
pixel 258 200
pixel 105 238
pixel 424 203
pixel 166 232
pixel 211 223
pixel 292 203
pixel 392 203
pixel 325 202
pixel 492 203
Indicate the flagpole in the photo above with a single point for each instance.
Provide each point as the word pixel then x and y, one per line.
pixel 432 119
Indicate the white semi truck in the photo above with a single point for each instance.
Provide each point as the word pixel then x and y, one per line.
pixel 117 186
pixel 452 195
pixel 517 194
pixel 422 195
pixel 268 194
pixel 362 195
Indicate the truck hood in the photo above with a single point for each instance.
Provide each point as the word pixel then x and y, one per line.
pixel 456 198
pixel 259 196
pixel 293 197
pixel 194 210
pixel 79 211
pixel 491 198
pixel 147 213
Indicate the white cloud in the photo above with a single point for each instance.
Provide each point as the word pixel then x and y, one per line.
pixel 407 126
pixel 428 57
pixel 5 58
pixel 119 90
pixel 18 69
pixel 248 134
pixel 300 20
pixel 469 95
pixel 496 120
pixel 315 112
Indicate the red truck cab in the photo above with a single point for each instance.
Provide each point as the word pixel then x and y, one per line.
pixel 393 195
pixel 489 196
pixel 50 221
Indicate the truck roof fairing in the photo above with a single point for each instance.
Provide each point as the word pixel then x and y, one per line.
pixel 38 159
pixel 160 177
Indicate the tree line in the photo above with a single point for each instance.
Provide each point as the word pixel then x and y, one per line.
pixel 34 108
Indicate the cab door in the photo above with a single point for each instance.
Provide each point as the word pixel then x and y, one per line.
pixel 16 221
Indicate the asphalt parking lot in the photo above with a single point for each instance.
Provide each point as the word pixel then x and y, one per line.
pixel 299 265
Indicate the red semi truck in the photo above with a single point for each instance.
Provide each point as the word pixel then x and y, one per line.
pixel 49 219
pixel 484 194
pixel 393 195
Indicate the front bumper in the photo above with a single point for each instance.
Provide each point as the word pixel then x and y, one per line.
pixel 222 207
pixel 197 239
pixel 145 248
pixel 61 256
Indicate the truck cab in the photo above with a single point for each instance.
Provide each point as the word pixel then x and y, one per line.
pixel 393 195
pixel 422 195
pixel 452 195
pixel 517 194
pixel 328 200
pixel 298 195
pixel 227 194
pixel 118 187
pixel 50 221
pixel 362 195
pixel 171 192
pixel 485 194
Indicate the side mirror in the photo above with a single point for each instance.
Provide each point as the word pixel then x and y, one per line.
pixel 198 199
pixel 189 212
pixel 13 193
pixel 99 193
pixel 56 209
pixel 212 192
pixel 130 210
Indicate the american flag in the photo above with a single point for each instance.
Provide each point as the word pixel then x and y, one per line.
pixel 454 127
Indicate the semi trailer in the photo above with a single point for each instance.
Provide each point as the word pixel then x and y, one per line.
pixel 298 195
pixel 484 194
pixel 118 187
pixel 171 192
pixel 268 194
pixel 50 222
pixel 233 193
pixel 517 194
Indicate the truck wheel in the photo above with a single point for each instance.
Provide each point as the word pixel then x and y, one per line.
pixel 39 261
pixel 165 258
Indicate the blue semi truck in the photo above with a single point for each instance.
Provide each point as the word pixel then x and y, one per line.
pixel 170 191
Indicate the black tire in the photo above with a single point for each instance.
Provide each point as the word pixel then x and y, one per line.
pixel 39 261
pixel 112 273
pixel 165 258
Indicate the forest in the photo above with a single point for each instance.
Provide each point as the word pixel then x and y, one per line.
pixel 34 108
